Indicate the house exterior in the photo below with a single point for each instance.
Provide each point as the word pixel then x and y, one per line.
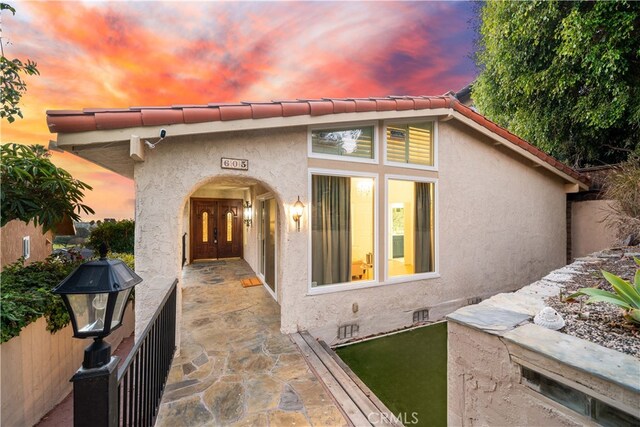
pixel 413 206
pixel 19 239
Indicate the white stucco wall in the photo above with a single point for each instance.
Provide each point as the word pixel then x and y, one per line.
pixel 501 224
pixel 169 176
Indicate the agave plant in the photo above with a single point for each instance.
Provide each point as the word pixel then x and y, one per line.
pixel 626 296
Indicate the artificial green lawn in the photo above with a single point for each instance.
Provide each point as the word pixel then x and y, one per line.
pixel 407 371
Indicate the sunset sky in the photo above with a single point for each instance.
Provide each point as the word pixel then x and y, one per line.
pixel 122 54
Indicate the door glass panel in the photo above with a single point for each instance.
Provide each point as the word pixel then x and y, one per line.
pixel 205 227
pixel 229 227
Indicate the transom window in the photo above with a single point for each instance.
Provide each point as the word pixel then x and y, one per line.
pixel 355 142
pixel 342 229
pixel 410 143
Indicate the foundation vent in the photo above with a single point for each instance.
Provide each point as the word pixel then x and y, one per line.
pixel 420 316
pixel 474 300
pixel 348 331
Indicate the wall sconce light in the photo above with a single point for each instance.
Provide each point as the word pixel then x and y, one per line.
pixel 298 210
pixel 248 213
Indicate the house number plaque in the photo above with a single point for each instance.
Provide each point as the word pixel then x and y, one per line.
pixel 237 164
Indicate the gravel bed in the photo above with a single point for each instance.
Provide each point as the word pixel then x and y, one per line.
pixel 601 323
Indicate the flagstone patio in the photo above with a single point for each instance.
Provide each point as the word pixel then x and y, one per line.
pixel 235 367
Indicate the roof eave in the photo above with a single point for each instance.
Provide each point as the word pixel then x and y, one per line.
pixel 98 137
pixel 523 152
pixel 77 141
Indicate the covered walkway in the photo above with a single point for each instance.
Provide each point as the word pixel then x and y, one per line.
pixel 235 367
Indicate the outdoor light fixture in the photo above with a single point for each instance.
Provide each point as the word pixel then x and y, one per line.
pixel 248 213
pixel 298 210
pixel 96 295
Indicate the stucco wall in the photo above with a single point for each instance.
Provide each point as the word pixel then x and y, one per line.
pixel 491 343
pixel 484 384
pixel 501 224
pixel 589 232
pixel 169 176
pixel 11 237
pixel 36 367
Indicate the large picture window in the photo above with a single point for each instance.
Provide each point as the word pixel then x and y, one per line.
pixel 410 143
pixel 355 142
pixel 342 229
pixel 410 229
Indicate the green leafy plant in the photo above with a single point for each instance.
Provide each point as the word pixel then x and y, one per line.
pixel 626 296
pixel 12 85
pixel 118 235
pixel 128 259
pixel 32 188
pixel 26 295
pixel 562 75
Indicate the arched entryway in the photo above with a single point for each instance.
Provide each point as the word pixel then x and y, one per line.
pixel 231 217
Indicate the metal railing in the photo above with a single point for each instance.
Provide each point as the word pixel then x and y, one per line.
pixel 143 375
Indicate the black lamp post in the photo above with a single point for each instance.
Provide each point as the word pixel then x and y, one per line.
pixel 96 295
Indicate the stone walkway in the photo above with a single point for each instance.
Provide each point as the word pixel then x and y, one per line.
pixel 235 367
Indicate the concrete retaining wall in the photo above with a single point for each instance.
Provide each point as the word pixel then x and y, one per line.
pixel 489 345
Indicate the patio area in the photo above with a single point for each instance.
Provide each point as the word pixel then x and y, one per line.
pixel 235 367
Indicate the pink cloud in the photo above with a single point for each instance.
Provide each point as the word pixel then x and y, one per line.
pixel 119 54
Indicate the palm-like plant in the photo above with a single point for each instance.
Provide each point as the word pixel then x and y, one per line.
pixel 626 296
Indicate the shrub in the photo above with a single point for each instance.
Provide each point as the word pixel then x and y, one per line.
pixel 118 235
pixel 26 295
pixel 62 240
pixel 623 187
pixel 124 257
pixel 626 296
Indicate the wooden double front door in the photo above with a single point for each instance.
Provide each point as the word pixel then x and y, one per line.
pixel 216 228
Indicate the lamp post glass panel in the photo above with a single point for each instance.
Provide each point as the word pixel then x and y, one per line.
pixel 96 295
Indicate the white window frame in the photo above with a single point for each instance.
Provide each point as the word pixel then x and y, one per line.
pixel 374 142
pixel 345 286
pixel 436 259
pixel 411 165
pixel 26 247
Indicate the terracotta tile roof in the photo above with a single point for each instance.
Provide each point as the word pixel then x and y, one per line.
pixel 90 119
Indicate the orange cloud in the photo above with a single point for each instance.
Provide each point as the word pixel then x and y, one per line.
pixel 120 54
